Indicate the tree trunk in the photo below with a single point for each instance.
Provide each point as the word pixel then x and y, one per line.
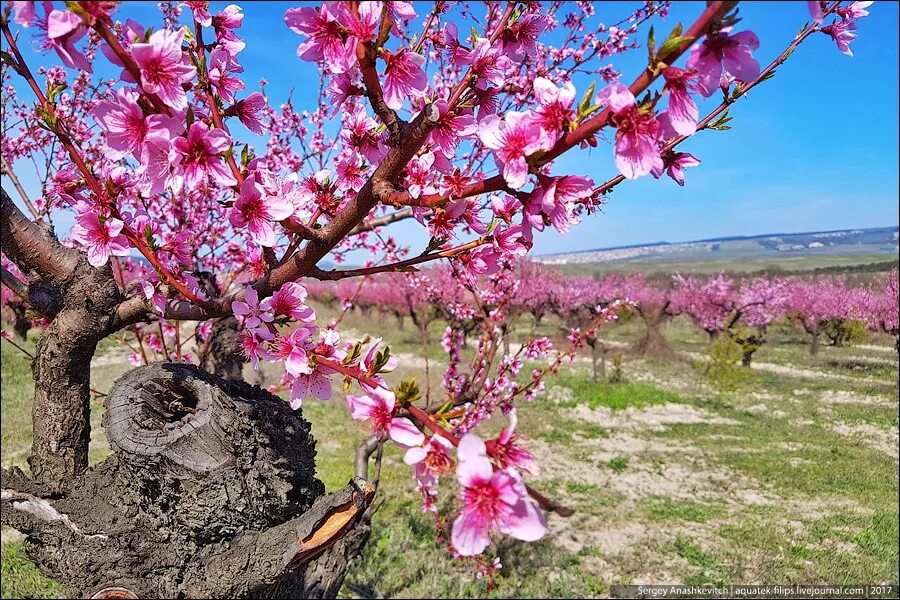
pixel 62 370
pixel 400 321
pixel 653 343
pixel 814 344
pixel 747 356
pixel 598 367
pixel 210 492
pixel 223 354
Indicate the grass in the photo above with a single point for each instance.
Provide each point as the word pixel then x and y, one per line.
pixel 708 570
pixel 617 464
pixel 666 509
pixel 19 578
pixel 616 396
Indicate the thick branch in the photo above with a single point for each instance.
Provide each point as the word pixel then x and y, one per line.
pixel 286 547
pixel 42 297
pixel 31 247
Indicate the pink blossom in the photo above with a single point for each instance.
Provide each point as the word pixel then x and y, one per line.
pixel 403 11
pixel 23 13
pixel 505 207
pixel 288 301
pixel 351 174
pixel 555 111
pixel 856 10
pixel 229 17
pixel 637 134
pixel 513 139
pixel 419 175
pixel 403 77
pixel 257 211
pixel 314 384
pixel 201 12
pixel 675 164
pixel 294 350
pixel 519 39
pixel 200 156
pixel 224 83
pixel 164 67
pixel 553 201
pixel 492 501
pixel 450 128
pixel 683 112
pixel 723 50
pixel 378 405
pixel 254 346
pixel 508 240
pixel 250 109
pixel 125 125
pixel 64 28
pixel 363 24
pixel 157 158
pixel 815 11
pixel 488 63
pixel 508 451
pixel 253 312
pixel 326 42
pixel 101 238
pixel 430 460
pixel 843 33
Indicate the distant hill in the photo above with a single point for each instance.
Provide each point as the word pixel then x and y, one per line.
pixel 873 241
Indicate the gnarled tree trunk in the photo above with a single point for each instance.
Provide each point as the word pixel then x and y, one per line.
pixel 210 492
pixel 653 343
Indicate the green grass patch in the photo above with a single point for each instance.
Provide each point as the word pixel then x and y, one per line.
pixel 618 464
pixel 708 568
pixel 616 396
pixel 19 578
pixel 666 509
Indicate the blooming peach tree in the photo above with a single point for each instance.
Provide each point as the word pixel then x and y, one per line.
pixel 445 114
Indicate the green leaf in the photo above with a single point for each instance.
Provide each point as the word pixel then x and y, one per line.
pixel 651 43
pixel 673 44
pixel 585 103
pixel 721 123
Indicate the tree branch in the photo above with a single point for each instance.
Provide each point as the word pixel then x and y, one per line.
pixel 31 247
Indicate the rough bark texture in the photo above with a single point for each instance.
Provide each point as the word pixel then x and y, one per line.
pixel 222 353
pixel 211 492
pixel 61 369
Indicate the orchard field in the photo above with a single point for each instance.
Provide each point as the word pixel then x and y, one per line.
pixel 791 476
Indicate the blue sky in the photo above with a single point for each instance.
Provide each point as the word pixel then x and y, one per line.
pixel 814 148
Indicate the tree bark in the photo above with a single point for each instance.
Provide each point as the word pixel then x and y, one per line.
pixel 61 369
pixel 653 343
pixel 210 492
pixel 222 354
pixel 814 344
